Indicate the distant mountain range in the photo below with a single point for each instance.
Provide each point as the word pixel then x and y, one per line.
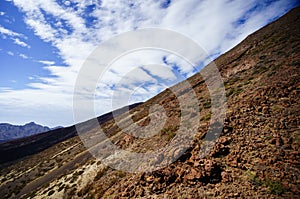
pixel 9 131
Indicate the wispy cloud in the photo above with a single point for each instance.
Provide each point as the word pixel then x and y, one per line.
pixel 10 53
pixel 46 62
pixel 23 56
pixel 21 43
pixel 8 32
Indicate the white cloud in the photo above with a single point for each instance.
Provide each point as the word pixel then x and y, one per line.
pixel 2 13
pixel 21 43
pixel 41 29
pixel 52 103
pixel 23 56
pixel 46 62
pixel 183 66
pixel 161 71
pixel 10 53
pixel 8 32
pixel 150 60
pixel 213 24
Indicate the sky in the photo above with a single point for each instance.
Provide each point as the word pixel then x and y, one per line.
pixel 44 43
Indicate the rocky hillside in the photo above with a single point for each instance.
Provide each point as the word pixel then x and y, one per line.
pixel 9 131
pixel 20 148
pixel 256 156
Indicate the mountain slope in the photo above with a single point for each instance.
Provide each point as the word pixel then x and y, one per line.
pixel 9 131
pixel 19 148
pixel 256 156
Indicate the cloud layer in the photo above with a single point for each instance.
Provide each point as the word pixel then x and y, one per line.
pixel 77 27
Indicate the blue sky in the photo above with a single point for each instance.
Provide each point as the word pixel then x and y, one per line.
pixel 43 44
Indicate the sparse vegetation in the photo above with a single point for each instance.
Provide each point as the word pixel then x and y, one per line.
pixel 207 105
pixel 253 178
pixel 170 136
pixel 275 186
pixel 206 117
pixel 229 92
pixel 234 91
pixel 100 173
pixel 260 69
pixel 169 132
pixel 268 137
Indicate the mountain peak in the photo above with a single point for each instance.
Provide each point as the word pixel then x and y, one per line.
pixel 31 123
pixel 9 131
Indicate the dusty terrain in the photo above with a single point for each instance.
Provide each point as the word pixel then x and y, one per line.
pixel 256 156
